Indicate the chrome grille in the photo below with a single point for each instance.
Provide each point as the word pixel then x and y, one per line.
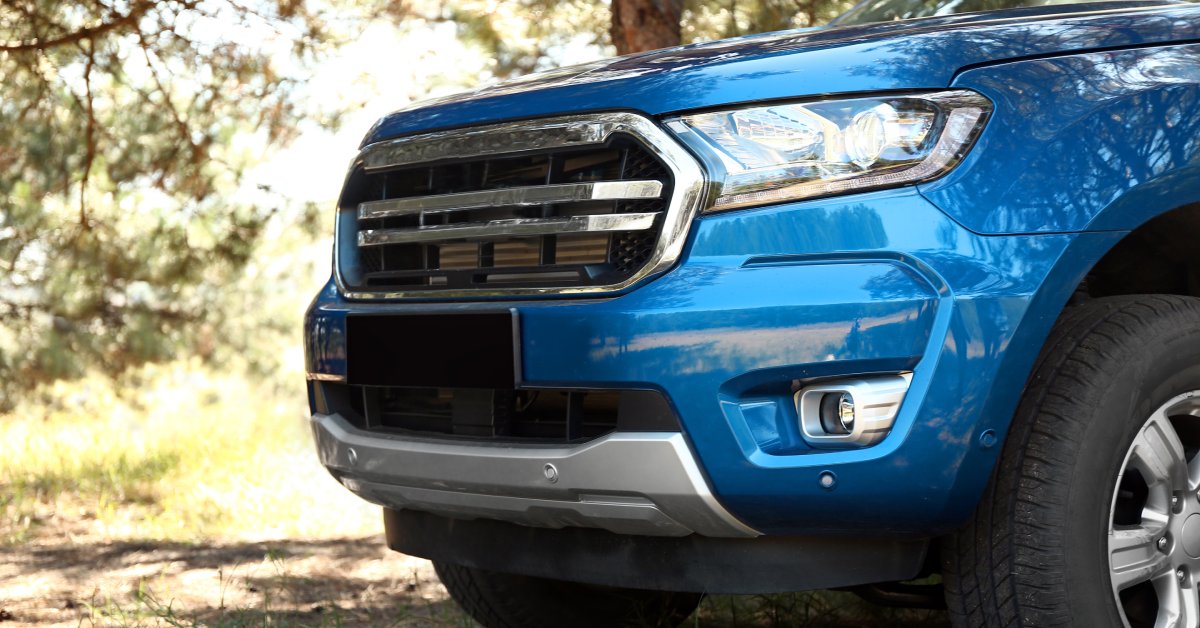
pixel 568 205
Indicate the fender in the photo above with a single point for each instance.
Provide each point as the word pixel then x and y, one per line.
pixel 1119 146
pixel 1092 142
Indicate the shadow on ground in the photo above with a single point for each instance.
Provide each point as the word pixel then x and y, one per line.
pixel 346 582
pixel 338 582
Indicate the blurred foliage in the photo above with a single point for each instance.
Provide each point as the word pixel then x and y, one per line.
pixel 128 232
pixel 523 36
pixel 125 131
pixel 704 20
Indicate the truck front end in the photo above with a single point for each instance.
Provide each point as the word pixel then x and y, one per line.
pixel 712 319
pixel 565 322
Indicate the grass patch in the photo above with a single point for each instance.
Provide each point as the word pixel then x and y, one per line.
pixel 122 477
pixel 187 455
pixel 276 607
pixel 279 598
pixel 816 609
pixel 196 499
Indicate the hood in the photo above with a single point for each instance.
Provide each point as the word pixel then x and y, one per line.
pixel 911 54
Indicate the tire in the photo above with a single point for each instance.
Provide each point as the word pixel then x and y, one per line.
pixel 1093 485
pixel 500 600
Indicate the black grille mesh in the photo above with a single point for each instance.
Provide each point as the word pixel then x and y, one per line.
pixel 484 414
pixel 507 261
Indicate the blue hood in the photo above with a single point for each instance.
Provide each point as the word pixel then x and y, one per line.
pixel 911 54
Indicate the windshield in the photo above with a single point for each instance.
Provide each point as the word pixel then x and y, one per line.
pixel 869 11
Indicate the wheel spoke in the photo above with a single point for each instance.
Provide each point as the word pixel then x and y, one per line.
pixel 1158 454
pixel 1178 604
pixel 1189 606
pixel 1156 488
pixel 1194 474
pixel 1134 556
pixel 1189 407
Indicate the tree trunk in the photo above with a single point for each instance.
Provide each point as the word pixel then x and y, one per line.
pixel 640 25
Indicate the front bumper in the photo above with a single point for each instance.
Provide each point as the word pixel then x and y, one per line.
pixel 644 483
pixel 763 301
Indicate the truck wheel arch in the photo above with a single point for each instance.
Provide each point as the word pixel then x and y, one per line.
pixel 1151 258
pixel 1159 256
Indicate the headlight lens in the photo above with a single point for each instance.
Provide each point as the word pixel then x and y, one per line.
pixel 791 151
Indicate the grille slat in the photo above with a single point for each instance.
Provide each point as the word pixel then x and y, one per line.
pixel 512 227
pixel 557 210
pixel 512 197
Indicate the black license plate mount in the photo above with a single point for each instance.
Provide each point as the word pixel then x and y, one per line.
pixel 449 350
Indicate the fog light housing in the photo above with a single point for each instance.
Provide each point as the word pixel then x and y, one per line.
pixel 837 413
pixel 850 413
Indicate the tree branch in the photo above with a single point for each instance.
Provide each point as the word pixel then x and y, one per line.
pixel 181 126
pixel 136 11
pixel 89 156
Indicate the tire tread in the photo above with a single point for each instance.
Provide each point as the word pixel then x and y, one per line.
pixel 499 600
pixel 997 569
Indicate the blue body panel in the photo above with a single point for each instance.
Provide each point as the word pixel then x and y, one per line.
pixel 915 54
pixel 879 282
pixel 1120 143
pixel 959 280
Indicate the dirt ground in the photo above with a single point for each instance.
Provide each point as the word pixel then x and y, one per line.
pixel 152 508
pixel 326 582
pixel 68 580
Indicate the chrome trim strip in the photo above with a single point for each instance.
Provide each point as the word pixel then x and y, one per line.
pixel 513 227
pixel 513 197
pixel 630 483
pixel 689 191
pixel 499 139
pixel 324 377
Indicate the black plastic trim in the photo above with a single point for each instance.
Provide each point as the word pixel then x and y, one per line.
pixel 769 564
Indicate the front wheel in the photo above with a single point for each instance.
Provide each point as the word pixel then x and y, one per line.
pixel 1093 515
pixel 500 600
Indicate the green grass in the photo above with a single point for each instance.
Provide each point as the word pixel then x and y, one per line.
pixel 213 478
pixel 813 609
pixel 273 607
pixel 824 609
pixel 187 456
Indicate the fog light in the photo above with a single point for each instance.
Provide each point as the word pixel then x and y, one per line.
pixel 837 413
pixel 855 412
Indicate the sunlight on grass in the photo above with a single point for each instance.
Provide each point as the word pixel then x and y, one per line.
pixel 191 455
pixel 195 498
pixel 279 598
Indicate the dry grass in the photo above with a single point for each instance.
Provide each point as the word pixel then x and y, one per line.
pixel 195 499
pixel 334 582
pixel 189 456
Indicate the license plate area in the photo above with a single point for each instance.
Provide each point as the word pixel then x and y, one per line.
pixel 468 350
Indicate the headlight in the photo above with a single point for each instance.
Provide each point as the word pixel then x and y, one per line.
pixel 790 151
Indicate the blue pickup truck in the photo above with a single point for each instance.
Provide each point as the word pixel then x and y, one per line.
pixel 913 296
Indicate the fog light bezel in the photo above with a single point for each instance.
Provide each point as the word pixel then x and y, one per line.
pixel 877 400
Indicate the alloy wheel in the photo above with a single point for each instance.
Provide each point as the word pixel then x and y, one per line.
pixel 1154 525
